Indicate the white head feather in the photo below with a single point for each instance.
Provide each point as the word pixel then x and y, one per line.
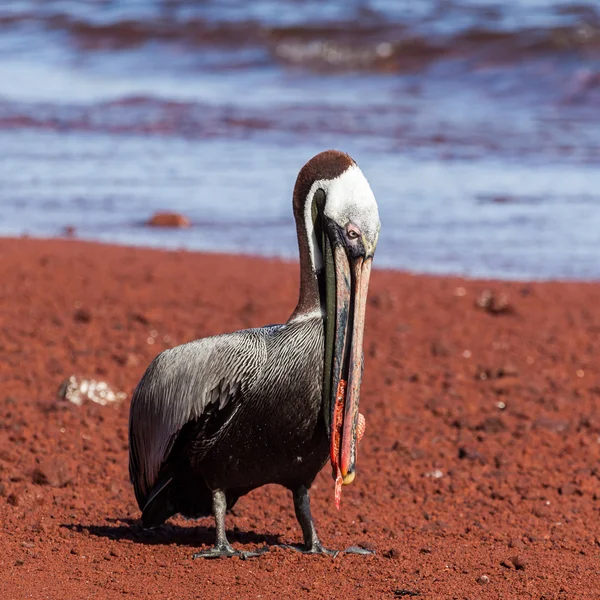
pixel 348 198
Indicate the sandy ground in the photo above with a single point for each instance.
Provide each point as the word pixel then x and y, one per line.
pixel 478 476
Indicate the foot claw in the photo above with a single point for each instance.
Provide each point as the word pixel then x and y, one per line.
pixel 314 549
pixel 254 553
pixel 226 551
pixel 358 550
pixel 217 552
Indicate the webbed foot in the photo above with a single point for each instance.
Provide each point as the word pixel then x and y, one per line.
pixel 317 548
pixel 358 550
pixel 225 551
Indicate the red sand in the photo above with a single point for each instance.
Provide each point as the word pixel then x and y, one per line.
pixel 460 498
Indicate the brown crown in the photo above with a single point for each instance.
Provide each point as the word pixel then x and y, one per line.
pixel 326 165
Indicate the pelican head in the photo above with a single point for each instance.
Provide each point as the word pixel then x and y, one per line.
pixel 338 227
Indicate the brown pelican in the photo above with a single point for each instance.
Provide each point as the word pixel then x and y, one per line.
pixel 213 419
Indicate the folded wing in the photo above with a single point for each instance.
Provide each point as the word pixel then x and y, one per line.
pixel 178 387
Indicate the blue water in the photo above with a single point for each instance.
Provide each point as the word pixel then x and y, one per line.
pixel 475 122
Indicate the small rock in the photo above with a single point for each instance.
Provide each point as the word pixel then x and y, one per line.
pixel 366 545
pixel 500 460
pixel 126 360
pixel 492 425
pixel 39 527
pixel 494 304
pixel 483 579
pixel 435 474
pixel 82 315
pixel 392 553
pixel 139 317
pixel 514 562
pixel 52 471
pixel 435 526
pixel 168 219
pixel 403 593
pixel 471 454
pixel 485 373
pixel 567 489
pixel 375 301
pixel 400 448
pixel 507 370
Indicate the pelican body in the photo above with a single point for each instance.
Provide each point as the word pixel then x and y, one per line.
pixel 213 419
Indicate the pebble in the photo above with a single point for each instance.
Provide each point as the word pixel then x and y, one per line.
pixel 515 562
pixel 435 474
pixel 168 219
pixel 82 315
pixel 492 303
pixel 519 562
pixel 403 593
pixel 465 452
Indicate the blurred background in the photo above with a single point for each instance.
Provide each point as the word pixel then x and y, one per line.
pixel 477 123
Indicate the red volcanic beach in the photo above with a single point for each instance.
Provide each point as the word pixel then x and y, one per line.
pixel 478 474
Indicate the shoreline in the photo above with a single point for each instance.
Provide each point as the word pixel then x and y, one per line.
pixel 477 474
pixel 285 260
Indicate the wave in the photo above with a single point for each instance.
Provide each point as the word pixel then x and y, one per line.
pixel 388 126
pixel 373 43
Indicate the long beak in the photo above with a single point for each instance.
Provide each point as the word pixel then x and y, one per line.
pixel 344 356
pixel 360 285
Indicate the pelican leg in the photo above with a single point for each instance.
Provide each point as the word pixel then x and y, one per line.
pixel 222 547
pixel 312 544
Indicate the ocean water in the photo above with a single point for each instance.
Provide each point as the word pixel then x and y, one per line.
pixel 475 121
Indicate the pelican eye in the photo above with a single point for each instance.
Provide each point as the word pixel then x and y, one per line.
pixel 352 232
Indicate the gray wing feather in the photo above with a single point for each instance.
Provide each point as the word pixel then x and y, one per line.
pixel 177 387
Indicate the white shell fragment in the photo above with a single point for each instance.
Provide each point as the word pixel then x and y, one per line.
pixel 435 474
pixel 78 389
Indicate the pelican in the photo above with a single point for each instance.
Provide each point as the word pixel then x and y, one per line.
pixel 215 418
